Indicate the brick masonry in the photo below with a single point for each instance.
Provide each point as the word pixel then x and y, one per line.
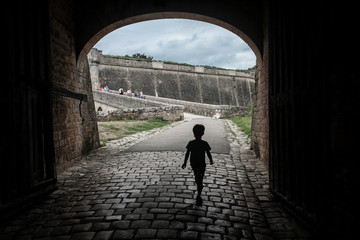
pixel 260 118
pixel 74 121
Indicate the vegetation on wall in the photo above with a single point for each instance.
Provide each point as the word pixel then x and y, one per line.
pixel 143 57
pixel 140 57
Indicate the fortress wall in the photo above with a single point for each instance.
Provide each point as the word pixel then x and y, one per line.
pixel 122 101
pixel 111 106
pixel 203 109
pixel 183 82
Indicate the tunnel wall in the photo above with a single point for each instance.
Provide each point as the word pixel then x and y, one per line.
pixel 311 114
pixel 260 100
pixel 313 95
pixel 74 119
pixel 27 168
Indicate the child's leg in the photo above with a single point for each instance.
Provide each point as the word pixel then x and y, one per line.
pixel 199 176
pixel 201 186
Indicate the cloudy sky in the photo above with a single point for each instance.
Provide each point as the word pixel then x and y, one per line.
pixel 183 41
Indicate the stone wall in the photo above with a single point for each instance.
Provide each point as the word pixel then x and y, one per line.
pixel 74 120
pixel 176 81
pixel 116 100
pixel 113 106
pixel 208 110
pixel 310 122
pixel 260 117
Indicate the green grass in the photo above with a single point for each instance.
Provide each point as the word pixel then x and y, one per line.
pixel 112 127
pixel 115 130
pixel 244 123
pixel 146 126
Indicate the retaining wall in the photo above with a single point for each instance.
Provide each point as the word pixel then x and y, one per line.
pixel 113 106
pixel 208 110
pixel 176 81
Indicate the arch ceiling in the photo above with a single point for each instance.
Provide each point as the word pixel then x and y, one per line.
pixel 95 19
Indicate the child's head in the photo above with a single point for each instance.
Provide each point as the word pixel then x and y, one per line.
pixel 198 130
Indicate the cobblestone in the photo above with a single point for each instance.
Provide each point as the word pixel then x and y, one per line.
pixel 146 195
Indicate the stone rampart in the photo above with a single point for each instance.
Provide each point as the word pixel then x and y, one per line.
pixel 111 106
pixel 176 81
pixel 208 110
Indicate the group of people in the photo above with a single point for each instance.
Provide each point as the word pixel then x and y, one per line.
pixel 106 89
pixel 130 94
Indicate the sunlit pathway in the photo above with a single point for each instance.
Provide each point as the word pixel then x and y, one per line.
pixel 146 195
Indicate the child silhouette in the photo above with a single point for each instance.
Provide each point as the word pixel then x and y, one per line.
pixel 197 148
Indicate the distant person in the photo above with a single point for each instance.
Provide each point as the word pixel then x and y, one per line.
pixel 136 93
pixel 101 89
pixel 141 94
pixel 128 92
pixel 121 91
pixel 196 149
pixel 106 89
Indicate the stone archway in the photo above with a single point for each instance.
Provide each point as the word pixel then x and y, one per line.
pixel 166 15
pixel 260 97
pixel 312 162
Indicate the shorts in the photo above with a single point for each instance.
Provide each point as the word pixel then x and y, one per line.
pixel 199 171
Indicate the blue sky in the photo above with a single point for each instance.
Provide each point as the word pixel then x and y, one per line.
pixel 180 40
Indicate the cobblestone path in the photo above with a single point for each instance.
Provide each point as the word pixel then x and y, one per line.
pixel 146 195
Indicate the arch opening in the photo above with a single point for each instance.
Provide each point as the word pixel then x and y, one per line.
pixel 260 148
pixel 167 15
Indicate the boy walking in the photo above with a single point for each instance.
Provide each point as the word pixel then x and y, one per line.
pixel 197 148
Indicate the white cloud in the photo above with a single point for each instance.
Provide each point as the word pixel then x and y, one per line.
pixel 184 41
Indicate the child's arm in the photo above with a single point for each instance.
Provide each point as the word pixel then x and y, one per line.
pixel 210 157
pixel 186 158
